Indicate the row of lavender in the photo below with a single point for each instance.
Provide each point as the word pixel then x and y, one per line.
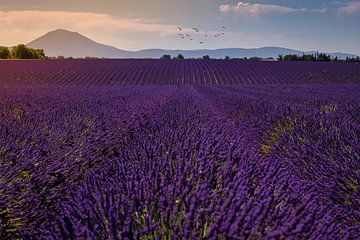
pixel 140 71
pixel 186 162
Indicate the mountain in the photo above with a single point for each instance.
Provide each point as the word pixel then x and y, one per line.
pixel 263 52
pixel 65 43
pixel 221 53
pixel 72 44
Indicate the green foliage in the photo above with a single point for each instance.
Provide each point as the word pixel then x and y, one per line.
pixel 321 57
pixel 180 57
pixel 291 57
pixel 165 56
pixel 4 52
pixel 227 58
pixel 22 52
pixel 353 59
pixel 274 134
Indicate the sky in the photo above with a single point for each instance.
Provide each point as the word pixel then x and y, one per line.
pixel 323 25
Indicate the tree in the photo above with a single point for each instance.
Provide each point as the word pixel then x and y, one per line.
pixel 4 53
pixel 180 57
pixel 308 57
pixel 37 53
pixel 227 58
pixel 165 56
pixel 206 57
pixel 291 57
pixel 22 52
pixel 324 57
pixel 280 57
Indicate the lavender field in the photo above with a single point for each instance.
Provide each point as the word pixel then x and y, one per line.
pixel 146 149
pixel 164 72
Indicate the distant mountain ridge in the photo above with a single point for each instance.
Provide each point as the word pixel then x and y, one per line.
pixel 72 44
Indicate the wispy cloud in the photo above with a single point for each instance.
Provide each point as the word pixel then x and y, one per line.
pixel 78 19
pixel 350 8
pixel 321 10
pixel 257 9
pixel 102 27
pixel 126 33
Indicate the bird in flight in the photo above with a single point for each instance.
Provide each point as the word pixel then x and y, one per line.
pixel 195 29
pixel 179 28
pixel 223 27
pixel 201 42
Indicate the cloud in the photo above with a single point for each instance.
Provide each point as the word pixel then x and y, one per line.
pixel 125 33
pixel 24 26
pixel 322 10
pixel 256 9
pixel 78 19
pixel 350 8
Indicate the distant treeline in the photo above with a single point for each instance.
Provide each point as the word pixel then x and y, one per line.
pixel 207 57
pixel 324 58
pixel 60 57
pixel 21 52
pixel 320 57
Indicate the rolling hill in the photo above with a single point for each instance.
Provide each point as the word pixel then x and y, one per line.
pixel 72 44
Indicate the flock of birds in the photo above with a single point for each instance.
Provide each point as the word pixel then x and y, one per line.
pixel 196 30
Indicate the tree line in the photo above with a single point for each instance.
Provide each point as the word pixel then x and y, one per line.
pixel 320 57
pixel 207 57
pixel 21 52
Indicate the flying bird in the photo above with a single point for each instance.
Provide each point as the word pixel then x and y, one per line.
pixel 223 27
pixel 179 28
pixel 195 29
pixel 201 42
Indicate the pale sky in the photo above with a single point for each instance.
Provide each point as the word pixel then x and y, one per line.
pixel 323 25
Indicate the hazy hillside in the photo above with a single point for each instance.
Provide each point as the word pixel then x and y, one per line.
pixel 66 43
